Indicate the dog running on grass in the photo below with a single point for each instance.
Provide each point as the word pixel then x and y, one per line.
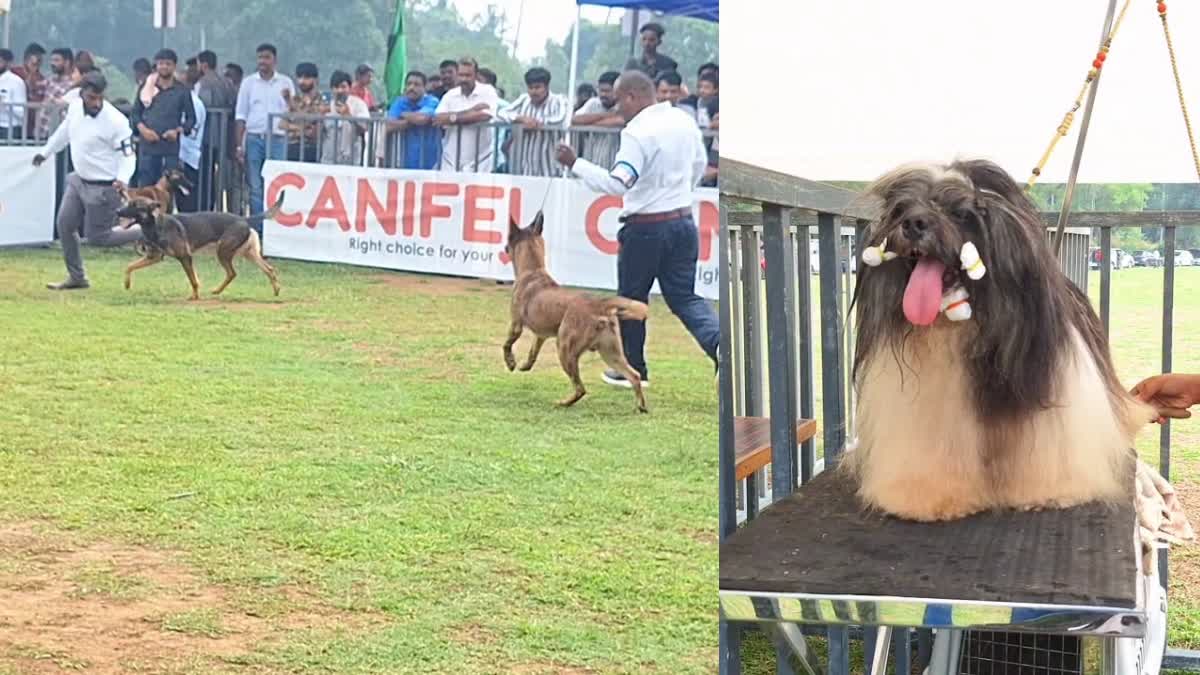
pixel 580 323
pixel 182 235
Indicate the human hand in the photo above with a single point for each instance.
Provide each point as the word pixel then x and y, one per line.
pixel 119 186
pixel 148 134
pixel 565 155
pixel 1171 394
pixel 171 135
pixel 241 154
pixel 343 109
pixel 287 95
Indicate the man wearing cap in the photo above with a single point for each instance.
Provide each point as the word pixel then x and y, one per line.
pixel 162 113
pixel 660 161
pixel 102 153
pixel 362 85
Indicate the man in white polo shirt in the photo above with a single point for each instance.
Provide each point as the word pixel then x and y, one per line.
pixel 101 145
pixel 12 99
pixel 260 96
pixel 464 113
pixel 659 163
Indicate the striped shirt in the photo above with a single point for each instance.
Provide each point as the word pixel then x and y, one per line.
pixel 532 151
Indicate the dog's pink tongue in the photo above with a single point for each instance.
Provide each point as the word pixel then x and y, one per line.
pixel 923 295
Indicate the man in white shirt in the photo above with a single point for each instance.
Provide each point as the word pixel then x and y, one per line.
pixel 259 97
pixel 464 112
pixel 12 99
pixel 660 161
pixel 101 143
pixel 541 115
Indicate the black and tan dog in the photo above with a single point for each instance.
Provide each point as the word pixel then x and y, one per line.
pixel 580 323
pixel 163 191
pixel 182 235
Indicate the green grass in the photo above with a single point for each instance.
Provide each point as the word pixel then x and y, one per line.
pixel 361 439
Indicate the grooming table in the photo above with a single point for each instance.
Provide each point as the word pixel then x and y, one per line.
pixel 816 557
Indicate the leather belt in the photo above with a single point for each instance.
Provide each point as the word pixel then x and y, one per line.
pixel 661 217
pixel 97 183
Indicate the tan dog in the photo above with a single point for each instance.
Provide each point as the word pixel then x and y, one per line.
pixel 580 323
pixel 162 192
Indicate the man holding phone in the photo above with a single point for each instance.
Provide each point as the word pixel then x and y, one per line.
pixel 260 96
pixel 343 135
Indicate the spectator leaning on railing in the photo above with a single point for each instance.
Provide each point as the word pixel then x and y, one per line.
pixel 464 112
pixel 541 115
pixel 304 134
pixel 344 134
pixel 361 89
pixel 418 145
pixel 601 111
pixel 447 78
pixel 162 113
pixel 62 65
pixel 12 99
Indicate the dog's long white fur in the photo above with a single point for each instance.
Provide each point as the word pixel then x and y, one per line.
pixel 923 452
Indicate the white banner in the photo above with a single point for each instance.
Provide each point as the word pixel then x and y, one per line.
pixel 26 198
pixel 454 223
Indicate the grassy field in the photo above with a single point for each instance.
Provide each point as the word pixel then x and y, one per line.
pixel 344 480
pixel 1136 341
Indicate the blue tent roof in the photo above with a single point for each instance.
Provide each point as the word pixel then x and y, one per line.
pixel 697 9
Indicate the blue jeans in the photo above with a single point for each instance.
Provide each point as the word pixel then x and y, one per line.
pixel 256 156
pixel 666 251
pixel 151 167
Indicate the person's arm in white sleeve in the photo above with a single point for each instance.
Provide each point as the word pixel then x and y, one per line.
pixel 59 139
pixel 699 160
pixel 122 143
pixel 624 174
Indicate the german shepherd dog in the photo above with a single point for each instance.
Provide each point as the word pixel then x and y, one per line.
pixel 163 191
pixel 182 235
pixel 579 322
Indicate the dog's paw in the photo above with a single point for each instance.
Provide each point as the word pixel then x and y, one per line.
pixel 510 362
pixel 525 367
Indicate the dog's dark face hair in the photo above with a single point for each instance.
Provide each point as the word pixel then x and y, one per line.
pixel 1024 308
pixel 524 243
pixel 178 180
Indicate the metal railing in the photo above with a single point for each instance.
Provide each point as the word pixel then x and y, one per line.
pixel 786 341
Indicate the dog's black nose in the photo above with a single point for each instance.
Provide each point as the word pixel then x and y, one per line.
pixel 914 227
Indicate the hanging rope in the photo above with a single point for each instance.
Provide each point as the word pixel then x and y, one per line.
pixel 1162 14
pixel 1065 126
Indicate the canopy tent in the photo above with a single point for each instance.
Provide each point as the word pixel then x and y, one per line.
pixel 697 9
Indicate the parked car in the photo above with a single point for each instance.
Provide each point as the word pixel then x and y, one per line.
pixel 1195 255
pixel 1184 259
pixel 1097 255
pixel 1148 259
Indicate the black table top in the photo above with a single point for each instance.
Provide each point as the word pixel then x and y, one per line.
pixel 821 542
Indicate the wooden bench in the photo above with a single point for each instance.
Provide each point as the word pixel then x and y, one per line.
pixel 752 442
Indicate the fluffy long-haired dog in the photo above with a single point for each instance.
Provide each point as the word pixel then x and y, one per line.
pixel 983 375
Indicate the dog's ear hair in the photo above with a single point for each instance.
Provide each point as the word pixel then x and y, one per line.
pixel 538 222
pixel 989 177
pixel 513 228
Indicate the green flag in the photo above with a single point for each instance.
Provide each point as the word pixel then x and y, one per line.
pixel 396 67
